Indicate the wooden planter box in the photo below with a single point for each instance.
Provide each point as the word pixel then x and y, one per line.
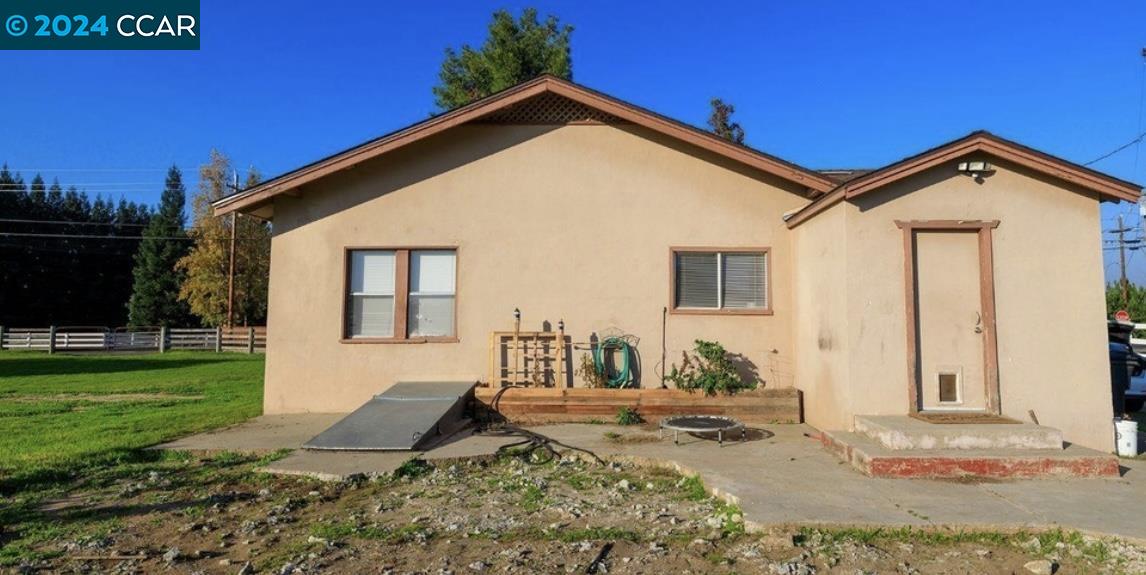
pixel 548 405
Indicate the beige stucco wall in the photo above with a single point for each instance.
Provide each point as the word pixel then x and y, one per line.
pixel 570 223
pixel 1048 294
pixel 820 326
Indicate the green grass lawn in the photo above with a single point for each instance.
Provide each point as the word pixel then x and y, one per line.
pixel 60 414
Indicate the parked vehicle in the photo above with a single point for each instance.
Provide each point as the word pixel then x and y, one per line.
pixel 1127 370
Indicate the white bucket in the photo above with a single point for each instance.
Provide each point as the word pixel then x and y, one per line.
pixel 1126 437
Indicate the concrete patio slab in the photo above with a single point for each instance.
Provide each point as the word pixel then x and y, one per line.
pixel 337 465
pixel 265 433
pixel 782 476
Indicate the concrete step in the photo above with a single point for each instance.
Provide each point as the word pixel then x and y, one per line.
pixel 874 459
pixel 901 432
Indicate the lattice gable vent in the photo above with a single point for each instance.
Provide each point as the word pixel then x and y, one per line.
pixel 549 109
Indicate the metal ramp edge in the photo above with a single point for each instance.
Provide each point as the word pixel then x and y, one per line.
pixel 405 417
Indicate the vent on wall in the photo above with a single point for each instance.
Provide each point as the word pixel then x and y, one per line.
pixel 550 109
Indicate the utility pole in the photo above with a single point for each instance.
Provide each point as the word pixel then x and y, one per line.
pixel 231 266
pixel 1121 260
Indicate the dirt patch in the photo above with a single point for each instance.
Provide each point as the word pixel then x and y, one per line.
pixel 501 516
pixel 957 418
pixel 631 438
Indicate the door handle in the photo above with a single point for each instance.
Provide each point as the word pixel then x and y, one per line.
pixel 978 322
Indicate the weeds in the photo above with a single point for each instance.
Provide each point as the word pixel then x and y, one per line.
pixel 412 468
pixel 628 416
pixel 693 488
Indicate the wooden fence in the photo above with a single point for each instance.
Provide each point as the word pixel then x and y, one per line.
pixel 161 339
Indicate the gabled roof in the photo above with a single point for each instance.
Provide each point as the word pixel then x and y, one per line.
pixel 489 107
pixel 1107 187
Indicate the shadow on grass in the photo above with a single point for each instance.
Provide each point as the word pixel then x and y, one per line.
pixel 48 476
pixel 43 364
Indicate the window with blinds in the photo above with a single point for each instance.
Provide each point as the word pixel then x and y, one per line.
pixel 371 293
pixel 432 284
pixel 715 280
pixel 419 306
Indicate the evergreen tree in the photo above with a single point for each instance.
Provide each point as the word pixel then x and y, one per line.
pixel 59 273
pixel 515 51
pixel 721 124
pixel 156 281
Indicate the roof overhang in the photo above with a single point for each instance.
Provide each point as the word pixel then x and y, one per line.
pixel 261 194
pixel 1105 186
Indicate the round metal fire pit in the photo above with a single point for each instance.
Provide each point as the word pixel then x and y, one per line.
pixel 701 424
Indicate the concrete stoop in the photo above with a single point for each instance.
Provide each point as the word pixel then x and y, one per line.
pixel 903 432
pixel 901 447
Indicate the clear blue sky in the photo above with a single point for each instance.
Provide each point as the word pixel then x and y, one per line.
pixel 824 84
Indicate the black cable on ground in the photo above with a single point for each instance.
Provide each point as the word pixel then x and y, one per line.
pixel 532 441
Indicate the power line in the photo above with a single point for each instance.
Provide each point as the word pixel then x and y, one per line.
pixel 64 223
pixel 94 237
pixel 14 170
pixel 152 183
pixel 97 191
pixel 1118 149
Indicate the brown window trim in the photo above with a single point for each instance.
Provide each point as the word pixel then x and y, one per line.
pixel 673 310
pixel 401 296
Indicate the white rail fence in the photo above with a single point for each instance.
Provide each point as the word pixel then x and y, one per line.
pixel 161 339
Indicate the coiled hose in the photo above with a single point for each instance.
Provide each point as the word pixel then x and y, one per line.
pixel 621 377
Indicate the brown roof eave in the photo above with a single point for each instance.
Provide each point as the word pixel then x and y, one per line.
pixel 1106 186
pixel 815 183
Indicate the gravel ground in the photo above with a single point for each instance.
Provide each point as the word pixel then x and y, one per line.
pixel 507 515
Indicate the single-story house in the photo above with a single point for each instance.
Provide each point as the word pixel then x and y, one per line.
pixel 967 277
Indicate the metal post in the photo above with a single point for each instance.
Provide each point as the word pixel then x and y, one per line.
pixel 51 340
pixel 251 340
pixel 559 380
pixel 162 338
pixel 516 338
pixel 218 339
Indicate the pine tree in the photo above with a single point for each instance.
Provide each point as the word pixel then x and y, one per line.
pixel 720 121
pixel 156 281
pixel 515 51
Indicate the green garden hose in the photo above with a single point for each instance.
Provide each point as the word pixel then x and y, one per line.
pixel 622 376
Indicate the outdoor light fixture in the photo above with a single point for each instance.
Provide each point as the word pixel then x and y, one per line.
pixel 976 169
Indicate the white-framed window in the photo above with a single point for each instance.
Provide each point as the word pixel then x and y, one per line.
pixel 401 294
pixel 711 280
pixel 433 285
pixel 372 274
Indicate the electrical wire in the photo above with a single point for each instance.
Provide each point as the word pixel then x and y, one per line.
pixel 65 223
pixel 1118 149
pixel 94 237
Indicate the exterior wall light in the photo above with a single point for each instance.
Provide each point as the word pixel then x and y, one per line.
pixel 976 169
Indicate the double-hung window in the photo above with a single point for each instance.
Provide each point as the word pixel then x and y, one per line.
pixel 713 280
pixel 372 274
pixel 401 294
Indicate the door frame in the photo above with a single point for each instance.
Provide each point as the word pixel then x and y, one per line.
pixel 986 295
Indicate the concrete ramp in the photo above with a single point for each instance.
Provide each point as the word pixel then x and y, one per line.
pixel 408 416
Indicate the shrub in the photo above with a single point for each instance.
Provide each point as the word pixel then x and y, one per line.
pixel 590 374
pixel 708 370
pixel 628 416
